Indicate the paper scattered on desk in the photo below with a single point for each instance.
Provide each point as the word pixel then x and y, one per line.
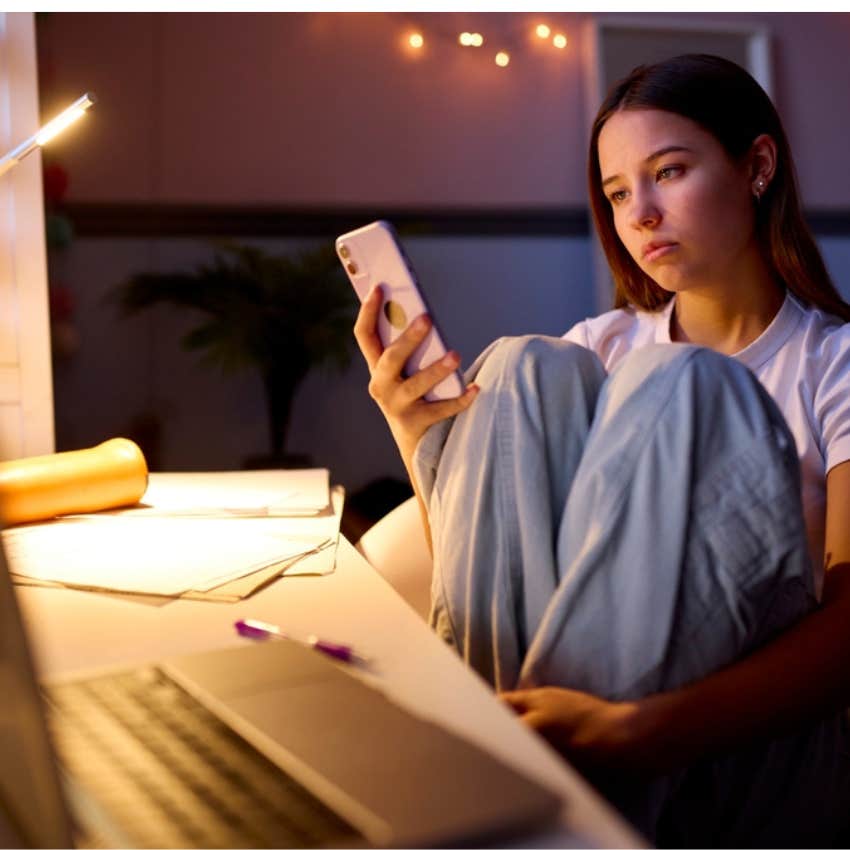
pixel 158 555
pixel 201 537
pixel 262 492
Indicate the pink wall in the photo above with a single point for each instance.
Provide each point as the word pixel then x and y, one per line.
pixel 327 109
pixel 812 71
pixel 322 109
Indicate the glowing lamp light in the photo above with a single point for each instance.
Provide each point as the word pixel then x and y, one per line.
pixel 542 31
pixel 502 59
pixel 560 41
pixel 415 40
pixel 47 132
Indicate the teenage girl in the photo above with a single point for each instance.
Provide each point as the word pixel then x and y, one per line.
pixel 641 531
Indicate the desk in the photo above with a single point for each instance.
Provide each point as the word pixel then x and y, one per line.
pixel 73 630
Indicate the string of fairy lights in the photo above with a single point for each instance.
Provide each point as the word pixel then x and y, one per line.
pixel 416 39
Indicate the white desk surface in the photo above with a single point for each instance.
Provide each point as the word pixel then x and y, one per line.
pixel 74 630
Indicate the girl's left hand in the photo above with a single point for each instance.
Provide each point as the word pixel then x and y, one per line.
pixel 600 738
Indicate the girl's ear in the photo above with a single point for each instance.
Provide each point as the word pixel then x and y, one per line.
pixel 762 163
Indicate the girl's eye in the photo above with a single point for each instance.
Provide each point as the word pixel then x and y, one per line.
pixel 667 171
pixel 618 196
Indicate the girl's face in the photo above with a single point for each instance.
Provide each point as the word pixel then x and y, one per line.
pixel 682 208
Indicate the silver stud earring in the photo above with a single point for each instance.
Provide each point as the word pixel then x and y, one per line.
pixel 760 186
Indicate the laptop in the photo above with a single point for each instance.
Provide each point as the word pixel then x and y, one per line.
pixel 271 744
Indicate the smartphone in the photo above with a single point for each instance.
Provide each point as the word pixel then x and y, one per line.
pixel 373 255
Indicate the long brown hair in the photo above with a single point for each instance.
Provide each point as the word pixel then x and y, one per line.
pixel 727 102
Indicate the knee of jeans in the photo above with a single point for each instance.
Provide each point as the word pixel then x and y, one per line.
pixel 516 356
pixel 701 380
pixel 650 358
pixel 679 360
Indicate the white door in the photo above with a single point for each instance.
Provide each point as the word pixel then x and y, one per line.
pixel 26 388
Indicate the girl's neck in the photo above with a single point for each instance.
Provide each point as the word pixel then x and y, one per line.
pixel 728 320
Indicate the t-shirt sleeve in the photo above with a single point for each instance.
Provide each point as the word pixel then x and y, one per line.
pixel 832 401
pixel 578 334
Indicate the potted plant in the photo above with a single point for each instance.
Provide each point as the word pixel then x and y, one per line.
pixel 281 315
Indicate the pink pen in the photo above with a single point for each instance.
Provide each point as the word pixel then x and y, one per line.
pixel 258 630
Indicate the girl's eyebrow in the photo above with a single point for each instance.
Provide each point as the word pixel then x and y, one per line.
pixel 653 156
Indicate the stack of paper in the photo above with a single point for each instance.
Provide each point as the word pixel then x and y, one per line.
pixel 263 492
pixel 217 536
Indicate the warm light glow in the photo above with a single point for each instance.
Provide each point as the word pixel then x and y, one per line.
pixel 47 132
pixel 416 40
pixel 542 31
pixel 61 121
pixel 57 125
pixel 502 59
pixel 471 39
pixel 560 41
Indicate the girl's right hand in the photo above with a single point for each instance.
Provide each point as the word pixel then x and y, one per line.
pixel 401 399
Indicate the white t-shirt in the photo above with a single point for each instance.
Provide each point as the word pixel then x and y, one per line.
pixel 802 359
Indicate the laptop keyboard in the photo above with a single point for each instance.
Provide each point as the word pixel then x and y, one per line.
pixel 171 774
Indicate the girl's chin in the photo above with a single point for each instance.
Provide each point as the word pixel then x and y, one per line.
pixel 673 283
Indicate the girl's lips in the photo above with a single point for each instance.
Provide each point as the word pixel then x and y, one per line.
pixel 661 251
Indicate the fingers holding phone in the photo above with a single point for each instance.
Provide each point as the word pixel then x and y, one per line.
pixel 388 359
pixel 402 399
pixel 393 363
pixel 415 378
pixel 373 257
pixel 366 328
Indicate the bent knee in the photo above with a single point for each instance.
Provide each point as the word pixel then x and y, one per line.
pixel 650 358
pixel 534 354
pixel 677 362
pixel 684 380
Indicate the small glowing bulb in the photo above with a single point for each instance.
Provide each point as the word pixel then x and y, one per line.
pixel 542 31
pixel 560 41
pixel 502 59
pixel 471 39
pixel 415 40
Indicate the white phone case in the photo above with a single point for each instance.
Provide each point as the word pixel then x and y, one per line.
pixel 372 255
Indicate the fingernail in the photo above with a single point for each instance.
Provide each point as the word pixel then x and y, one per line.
pixel 421 323
pixel 451 359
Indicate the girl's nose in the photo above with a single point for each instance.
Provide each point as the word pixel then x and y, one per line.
pixel 645 212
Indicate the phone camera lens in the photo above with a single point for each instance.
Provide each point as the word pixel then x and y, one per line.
pixel 344 252
pixel 352 269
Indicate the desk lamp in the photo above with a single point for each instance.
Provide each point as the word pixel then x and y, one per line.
pixel 47 132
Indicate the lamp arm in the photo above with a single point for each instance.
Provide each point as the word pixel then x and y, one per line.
pixel 47 132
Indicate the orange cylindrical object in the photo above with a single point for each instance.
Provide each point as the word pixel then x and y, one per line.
pixel 113 474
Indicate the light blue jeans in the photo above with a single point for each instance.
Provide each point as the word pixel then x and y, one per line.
pixel 625 535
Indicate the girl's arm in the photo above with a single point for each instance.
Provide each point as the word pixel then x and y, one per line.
pixel 800 675
pixel 401 399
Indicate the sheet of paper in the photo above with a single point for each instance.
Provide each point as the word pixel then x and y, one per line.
pixel 315 539
pixel 320 562
pixel 155 555
pixel 262 492
pixel 323 559
pixel 320 559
